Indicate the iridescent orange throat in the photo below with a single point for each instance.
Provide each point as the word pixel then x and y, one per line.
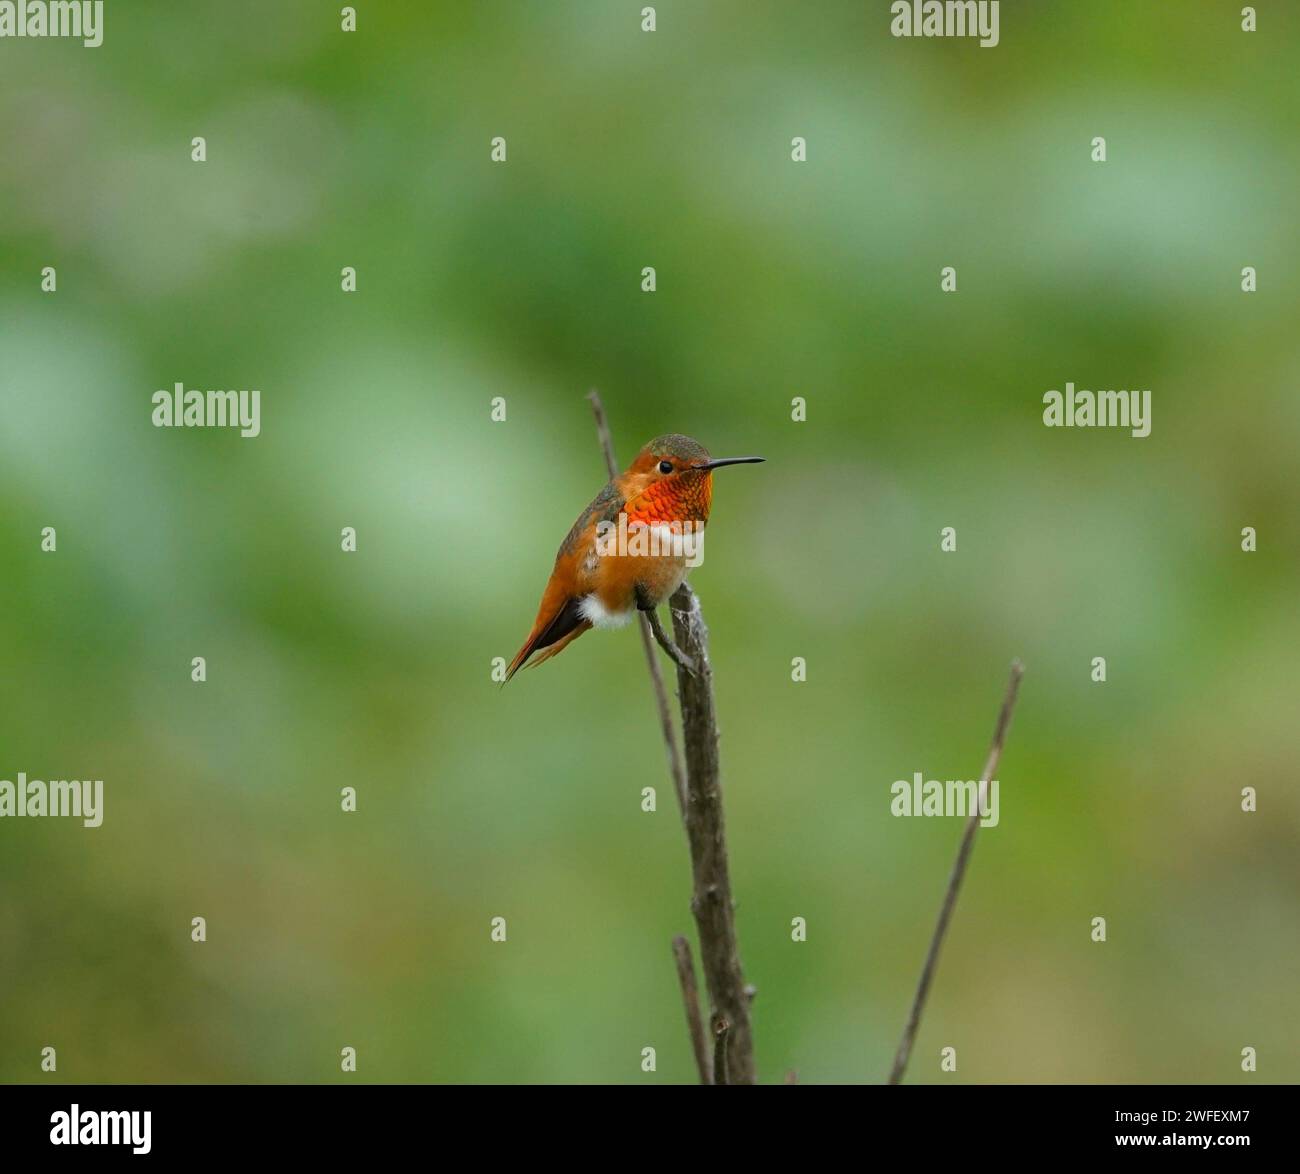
pixel 683 498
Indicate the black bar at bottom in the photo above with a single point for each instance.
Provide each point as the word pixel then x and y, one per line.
pixel 543 1123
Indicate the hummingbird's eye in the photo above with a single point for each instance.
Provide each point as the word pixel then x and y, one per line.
pixel 665 466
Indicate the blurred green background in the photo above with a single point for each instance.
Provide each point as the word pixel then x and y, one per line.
pixel 522 280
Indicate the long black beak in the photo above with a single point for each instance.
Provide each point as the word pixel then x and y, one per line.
pixel 717 464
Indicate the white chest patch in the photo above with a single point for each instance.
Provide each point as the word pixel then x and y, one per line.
pixel 599 616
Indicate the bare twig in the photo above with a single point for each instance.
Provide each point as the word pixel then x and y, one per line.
pixel 691 997
pixel 675 766
pixel 602 431
pixel 680 659
pixel 711 902
pixel 955 878
pixel 721 1031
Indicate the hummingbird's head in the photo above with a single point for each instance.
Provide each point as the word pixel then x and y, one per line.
pixel 672 479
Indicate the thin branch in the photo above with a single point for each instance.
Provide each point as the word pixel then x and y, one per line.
pixel 691 998
pixel 675 766
pixel 680 659
pixel 711 903
pixel 955 879
pixel 721 1032
pixel 602 430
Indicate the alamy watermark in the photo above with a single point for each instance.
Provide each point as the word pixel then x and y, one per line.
pixel 637 539
pixel 946 18
pixel 32 798
pixel 54 18
pixel 956 798
pixel 179 408
pixel 1099 409
pixel 78 1126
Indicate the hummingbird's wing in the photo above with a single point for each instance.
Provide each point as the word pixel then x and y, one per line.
pixel 559 621
pixel 604 507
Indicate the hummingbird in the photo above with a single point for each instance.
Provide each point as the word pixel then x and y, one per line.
pixel 630 548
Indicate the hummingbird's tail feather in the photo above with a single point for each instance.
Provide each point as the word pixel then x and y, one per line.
pixel 551 633
pixel 559 646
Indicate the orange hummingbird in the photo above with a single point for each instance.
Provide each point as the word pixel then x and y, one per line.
pixel 630 549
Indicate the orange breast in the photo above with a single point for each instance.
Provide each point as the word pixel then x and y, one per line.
pixel 617 579
pixel 680 499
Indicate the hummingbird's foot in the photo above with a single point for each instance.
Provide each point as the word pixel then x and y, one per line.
pixel 665 642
